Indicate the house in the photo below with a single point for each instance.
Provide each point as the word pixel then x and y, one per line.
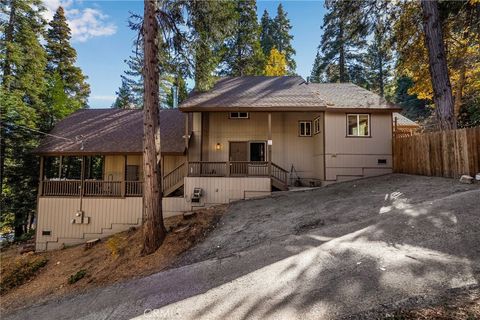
pixel 402 126
pixel 245 138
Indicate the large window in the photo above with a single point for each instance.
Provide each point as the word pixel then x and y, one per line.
pixel 358 125
pixel 238 115
pixel 305 128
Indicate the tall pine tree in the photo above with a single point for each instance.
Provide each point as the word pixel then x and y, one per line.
pixel 125 99
pixel 282 38
pixel 244 55
pixel 266 33
pixel 211 23
pixel 21 95
pixel 61 60
pixel 345 29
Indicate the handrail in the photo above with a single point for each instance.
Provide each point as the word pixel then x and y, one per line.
pixel 91 188
pixel 173 177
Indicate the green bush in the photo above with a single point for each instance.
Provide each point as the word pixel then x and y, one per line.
pixel 77 276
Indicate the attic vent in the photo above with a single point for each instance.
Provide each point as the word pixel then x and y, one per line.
pixel 46 233
pixel 382 161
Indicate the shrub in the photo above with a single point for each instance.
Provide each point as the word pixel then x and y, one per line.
pixel 116 245
pixel 22 270
pixel 77 276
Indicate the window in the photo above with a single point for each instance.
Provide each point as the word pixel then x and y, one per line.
pixel 316 125
pixel 305 128
pixel 238 115
pixel 257 151
pixel 358 125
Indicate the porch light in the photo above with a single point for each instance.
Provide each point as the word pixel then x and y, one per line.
pixel 218 146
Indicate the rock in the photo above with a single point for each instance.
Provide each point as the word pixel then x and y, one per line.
pixel 27 248
pixel 466 179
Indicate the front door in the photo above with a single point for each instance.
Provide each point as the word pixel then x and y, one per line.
pixel 238 152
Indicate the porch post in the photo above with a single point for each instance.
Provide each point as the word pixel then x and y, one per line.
pixel 269 146
pixel 40 185
pixel 186 143
pixel 124 176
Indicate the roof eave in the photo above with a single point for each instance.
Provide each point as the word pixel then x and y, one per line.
pixel 252 109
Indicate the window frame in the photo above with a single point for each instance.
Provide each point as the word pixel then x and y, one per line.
pixel 369 127
pixel 316 125
pixel 309 122
pixel 238 115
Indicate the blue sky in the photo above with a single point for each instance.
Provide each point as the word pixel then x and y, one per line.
pixel 103 40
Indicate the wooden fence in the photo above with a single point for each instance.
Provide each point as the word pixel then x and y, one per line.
pixel 443 154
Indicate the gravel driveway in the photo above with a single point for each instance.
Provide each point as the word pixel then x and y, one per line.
pixel 325 253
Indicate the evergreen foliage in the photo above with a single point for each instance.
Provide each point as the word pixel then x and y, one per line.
pixel 39 86
pixel 243 55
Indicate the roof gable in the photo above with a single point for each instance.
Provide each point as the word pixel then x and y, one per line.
pixel 254 92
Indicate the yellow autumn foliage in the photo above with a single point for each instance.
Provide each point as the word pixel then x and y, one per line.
pixel 276 64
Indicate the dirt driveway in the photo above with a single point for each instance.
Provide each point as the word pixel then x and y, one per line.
pixel 326 253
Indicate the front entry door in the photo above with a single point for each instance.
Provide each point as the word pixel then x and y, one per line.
pixel 238 152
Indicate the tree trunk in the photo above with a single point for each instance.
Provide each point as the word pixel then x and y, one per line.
pixel 9 30
pixel 442 89
pixel 153 228
pixel 341 58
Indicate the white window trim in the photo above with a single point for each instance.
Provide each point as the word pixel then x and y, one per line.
pixel 238 115
pixel 300 128
pixel 316 125
pixel 358 122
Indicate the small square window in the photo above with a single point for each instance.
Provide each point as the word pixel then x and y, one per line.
pixel 238 115
pixel 46 233
pixel 305 128
pixel 358 125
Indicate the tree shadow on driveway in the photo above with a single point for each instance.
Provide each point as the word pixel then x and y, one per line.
pixel 317 254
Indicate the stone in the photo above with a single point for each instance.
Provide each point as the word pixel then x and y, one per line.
pixel 466 179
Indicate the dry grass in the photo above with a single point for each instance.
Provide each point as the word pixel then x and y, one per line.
pixel 465 306
pixel 105 263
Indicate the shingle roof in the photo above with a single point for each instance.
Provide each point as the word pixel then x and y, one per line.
pixel 404 121
pixel 349 96
pixel 112 131
pixel 259 92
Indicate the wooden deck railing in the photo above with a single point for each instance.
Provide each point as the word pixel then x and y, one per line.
pixel 61 187
pixel 91 188
pixel 174 177
pixel 237 169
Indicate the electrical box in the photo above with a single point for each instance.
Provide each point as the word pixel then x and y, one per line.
pixel 197 194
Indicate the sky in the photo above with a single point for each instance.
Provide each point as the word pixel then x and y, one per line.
pixel 101 36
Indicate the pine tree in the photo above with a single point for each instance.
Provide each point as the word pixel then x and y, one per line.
pixel 378 58
pixel 282 39
pixel 276 64
pixel 61 59
pixel 211 23
pixel 266 33
pixel 125 99
pixel 243 51
pixel 345 28
pixel 21 96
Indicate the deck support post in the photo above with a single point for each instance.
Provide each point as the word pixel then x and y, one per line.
pixel 269 144
pixel 123 185
pixel 40 184
pixel 187 116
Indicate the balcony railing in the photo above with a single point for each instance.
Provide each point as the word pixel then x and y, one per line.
pixel 91 188
pixel 237 169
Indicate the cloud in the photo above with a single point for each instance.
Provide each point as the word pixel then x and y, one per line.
pixel 85 23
